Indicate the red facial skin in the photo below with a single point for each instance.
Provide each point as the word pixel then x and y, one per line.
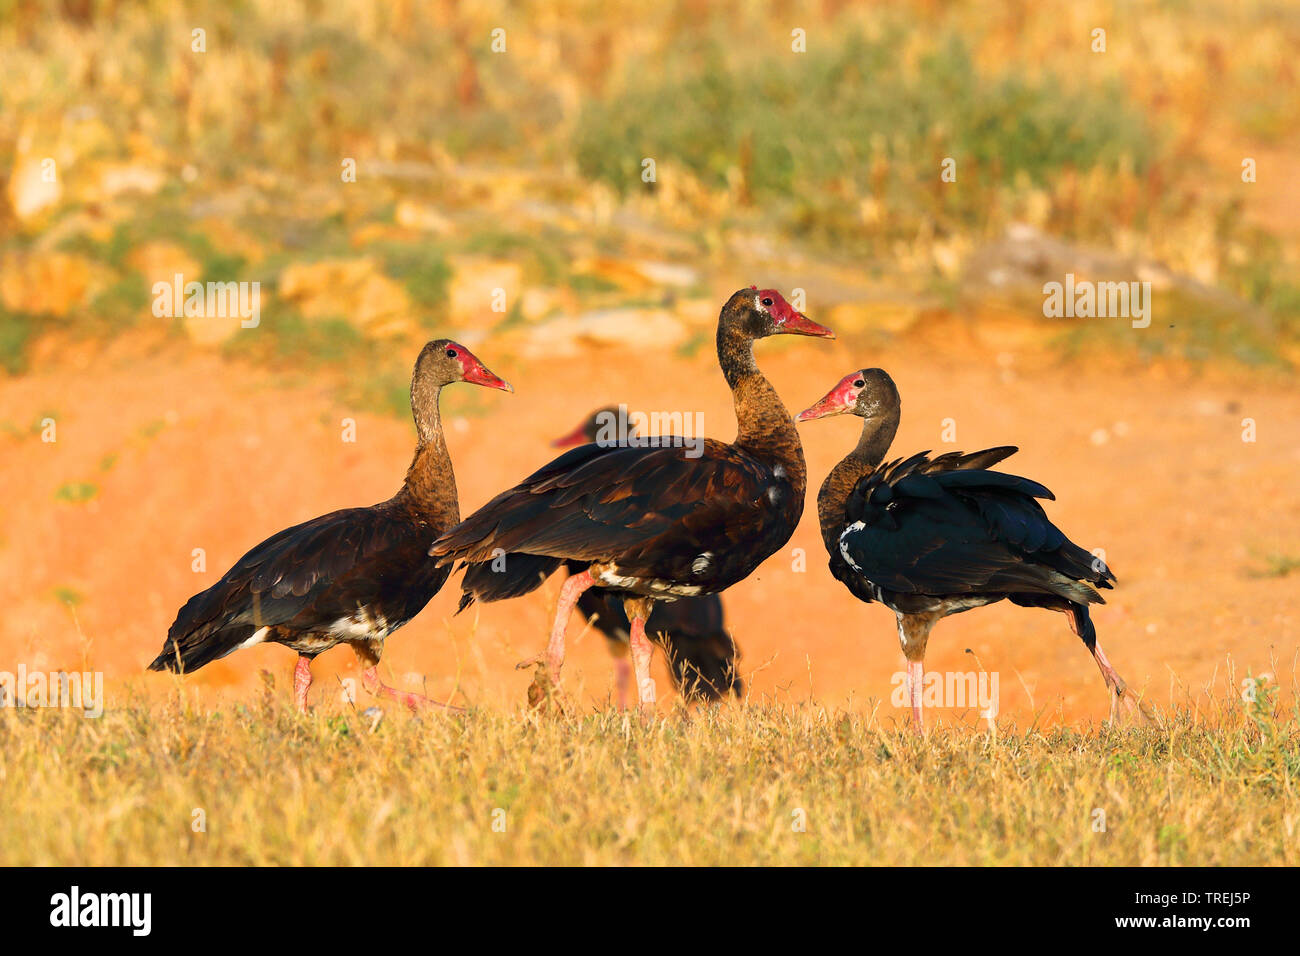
pixel 787 319
pixel 837 401
pixel 475 372
pixel 576 437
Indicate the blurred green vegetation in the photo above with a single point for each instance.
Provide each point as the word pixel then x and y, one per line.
pixel 421 268
pixel 533 154
pixel 76 492
pixel 814 132
pixel 1277 566
pixel 15 331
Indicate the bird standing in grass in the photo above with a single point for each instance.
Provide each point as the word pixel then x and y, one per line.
pixel 651 521
pixel 928 537
pixel 348 577
pixel 701 653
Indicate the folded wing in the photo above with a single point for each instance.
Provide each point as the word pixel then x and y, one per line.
pixel 651 509
pixel 950 526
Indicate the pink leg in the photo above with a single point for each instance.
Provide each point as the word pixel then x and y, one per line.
pixel 569 595
pixel 371 682
pixel 301 682
pixel 1108 673
pixel 622 677
pixel 1119 692
pixel 915 676
pixel 642 650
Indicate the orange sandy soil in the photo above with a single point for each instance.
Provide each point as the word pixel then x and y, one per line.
pixel 218 456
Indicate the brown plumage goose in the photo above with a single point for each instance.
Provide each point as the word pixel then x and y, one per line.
pixel 652 523
pixel 349 577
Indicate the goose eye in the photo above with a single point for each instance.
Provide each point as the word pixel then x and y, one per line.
pixel 859 383
pixel 768 301
pixel 451 353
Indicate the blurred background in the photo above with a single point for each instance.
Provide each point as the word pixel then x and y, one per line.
pixel 384 170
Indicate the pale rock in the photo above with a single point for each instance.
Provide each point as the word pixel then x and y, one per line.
pixel 667 273
pixel 230 239
pixel 352 289
pixel 633 328
pixel 411 214
pixel 211 331
pixel 538 303
pixel 96 225
pixel 950 256
pixel 1160 277
pixel 29 193
pixel 637 275
pixel 50 283
pixel 160 260
pixel 372 232
pixel 621 273
pixel 118 178
pixel 473 288
pixel 700 313
pixel 637 329
pixel 557 338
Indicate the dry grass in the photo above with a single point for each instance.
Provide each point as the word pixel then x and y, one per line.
pixel 721 786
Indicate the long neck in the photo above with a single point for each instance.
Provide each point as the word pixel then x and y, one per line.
pixel 430 483
pixel 764 427
pixel 877 435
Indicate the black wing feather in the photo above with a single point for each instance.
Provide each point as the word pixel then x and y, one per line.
pixel 948 526
pixel 307 577
pixel 652 509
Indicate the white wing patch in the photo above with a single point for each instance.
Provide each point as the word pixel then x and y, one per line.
pixel 651 587
pixel 844 551
pixel 257 637
pixel 361 625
